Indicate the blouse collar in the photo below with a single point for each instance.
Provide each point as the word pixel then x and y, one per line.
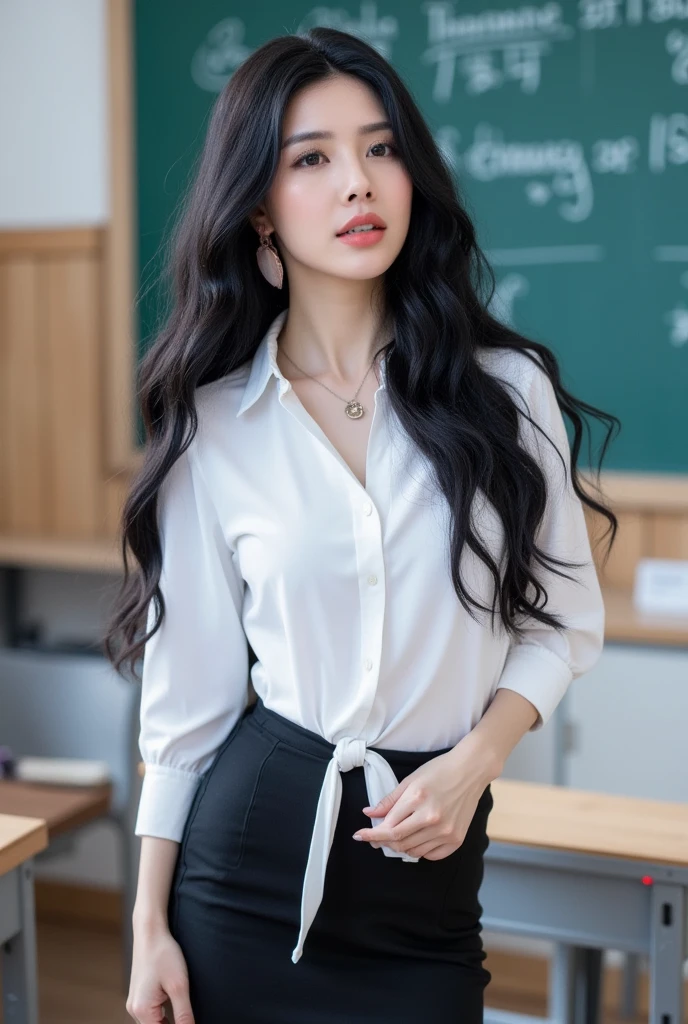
pixel 264 365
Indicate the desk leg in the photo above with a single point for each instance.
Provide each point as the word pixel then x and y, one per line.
pixel 20 961
pixel 561 984
pixel 575 988
pixel 629 988
pixel 667 946
pixel 589 1010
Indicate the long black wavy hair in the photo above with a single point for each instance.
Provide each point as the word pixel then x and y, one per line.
pixel 438 292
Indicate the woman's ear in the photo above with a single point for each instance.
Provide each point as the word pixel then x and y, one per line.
pixel 260 221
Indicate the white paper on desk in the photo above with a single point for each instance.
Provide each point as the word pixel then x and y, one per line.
pixel 661 586
pixel 63 771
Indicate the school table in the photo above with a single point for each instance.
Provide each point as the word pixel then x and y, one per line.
pixel 589 871
pixel 20 839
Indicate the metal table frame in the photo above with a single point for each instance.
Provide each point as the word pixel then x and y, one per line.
pixel 18 945
pixel 586 904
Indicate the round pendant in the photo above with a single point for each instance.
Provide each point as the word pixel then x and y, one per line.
pixel 354 410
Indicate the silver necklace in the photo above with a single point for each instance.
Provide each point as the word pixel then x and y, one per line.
pixel 354 410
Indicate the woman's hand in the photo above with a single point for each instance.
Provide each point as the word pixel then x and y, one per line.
pixel 158 978
pixel 429 812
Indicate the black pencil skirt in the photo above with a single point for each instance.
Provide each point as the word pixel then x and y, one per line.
pixel 392 941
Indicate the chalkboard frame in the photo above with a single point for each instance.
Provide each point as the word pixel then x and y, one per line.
pixel 122 453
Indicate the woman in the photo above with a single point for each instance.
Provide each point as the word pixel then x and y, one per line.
pixel 350 463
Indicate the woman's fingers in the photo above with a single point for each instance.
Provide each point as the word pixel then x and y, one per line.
pixel 181 1006
pixel 159 988
pixel 421 842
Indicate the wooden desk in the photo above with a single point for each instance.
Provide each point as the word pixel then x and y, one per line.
pixel 20 839
pixel 62 807
pixel 560 818
pixel 590 871
pixel 624 623
pixel 57 810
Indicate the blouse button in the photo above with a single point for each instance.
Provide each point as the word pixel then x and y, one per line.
pixel 372 580
pixel 367 509
pixel 368 663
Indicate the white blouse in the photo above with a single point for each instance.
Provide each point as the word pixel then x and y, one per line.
pixel 344 594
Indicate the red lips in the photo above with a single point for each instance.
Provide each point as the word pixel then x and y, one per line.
pixel 363 218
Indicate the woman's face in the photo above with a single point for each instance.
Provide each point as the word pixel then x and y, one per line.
pixel 321 183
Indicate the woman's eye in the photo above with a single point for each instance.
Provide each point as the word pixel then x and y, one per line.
pixel 300 161
pixel 389 146
pixel 318 152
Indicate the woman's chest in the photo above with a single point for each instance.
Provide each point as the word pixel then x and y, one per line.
pixel 296 514
pixel 346 422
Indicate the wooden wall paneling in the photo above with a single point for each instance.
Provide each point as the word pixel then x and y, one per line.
pixel 59 503
pixel 72 364
pixel 98 555
pixel 667 536
pixel 629 545
pixel 24 399
pixel 652 492
pixel 37 242
pixel 115 491
pixel 597 526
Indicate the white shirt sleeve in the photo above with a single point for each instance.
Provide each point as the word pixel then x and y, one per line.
pixel 194 683
pixel 542 665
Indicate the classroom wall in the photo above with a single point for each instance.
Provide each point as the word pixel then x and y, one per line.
pixel 53 113
pixel 54 173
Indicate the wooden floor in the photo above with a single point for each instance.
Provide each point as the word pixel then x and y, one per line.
pixel 81 981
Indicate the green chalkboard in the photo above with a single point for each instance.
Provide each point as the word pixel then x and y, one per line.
pixel 567 127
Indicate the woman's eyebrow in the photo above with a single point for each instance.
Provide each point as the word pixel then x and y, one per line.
pixel 365 129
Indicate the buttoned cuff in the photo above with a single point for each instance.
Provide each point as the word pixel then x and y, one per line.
pixel 166 798
pixel 537 674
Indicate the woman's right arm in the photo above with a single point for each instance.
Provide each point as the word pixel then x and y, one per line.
pixel 156 868
pixel 158 970
pixel 194 687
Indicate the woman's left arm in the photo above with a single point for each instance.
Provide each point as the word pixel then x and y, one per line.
pixel 541 664
pixel 429 812
pixel 508 718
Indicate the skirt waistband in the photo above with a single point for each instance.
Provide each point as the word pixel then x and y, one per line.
pixel 378 764
pixel 313 743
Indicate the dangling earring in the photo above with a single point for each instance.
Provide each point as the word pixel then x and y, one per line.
pixel 269 263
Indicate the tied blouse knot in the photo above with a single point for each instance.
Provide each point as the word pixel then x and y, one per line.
pixel 343 592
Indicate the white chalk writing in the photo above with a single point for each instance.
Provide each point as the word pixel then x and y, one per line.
pixel 595 15
pixel 615 156
pixel 560 161
pixel 668 141
pixel 677 319
pixel 490 48
pixel 219 55
pixel 379 32
pixel 558 170
pixel 677 46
